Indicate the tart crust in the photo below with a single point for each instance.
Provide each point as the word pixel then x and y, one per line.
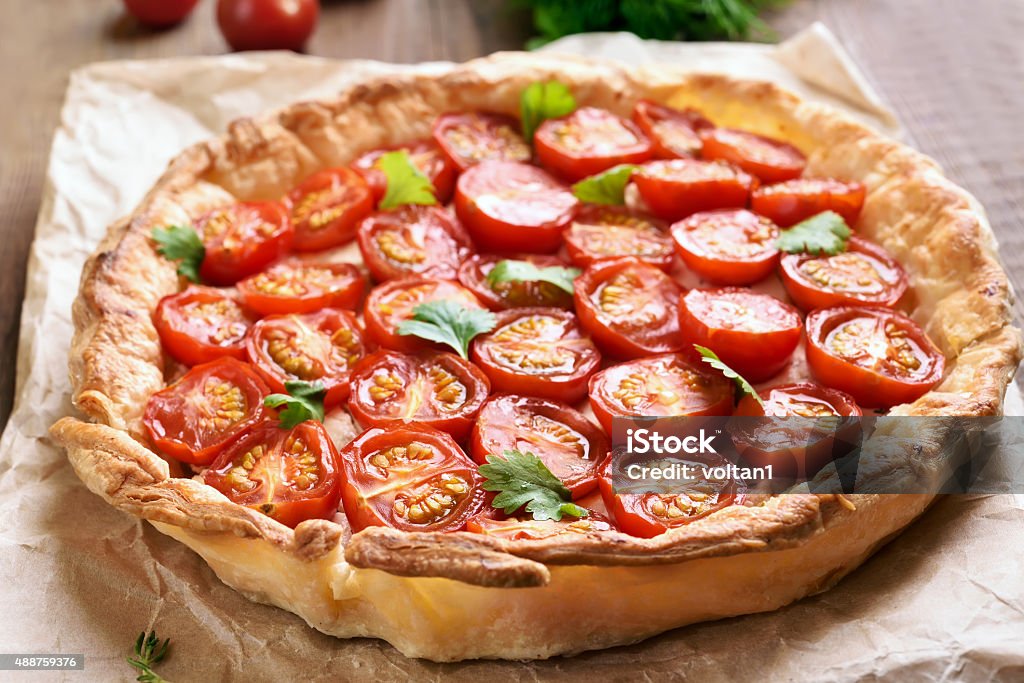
pixel 457 596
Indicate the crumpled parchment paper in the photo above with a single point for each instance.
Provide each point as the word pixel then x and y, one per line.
pixel 945 601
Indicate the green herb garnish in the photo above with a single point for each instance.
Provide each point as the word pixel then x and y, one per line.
pixel 608 187
pixel 523 479
pixel 543 101
pixel 182 244
pixel 149 651
pixel 406 184
pixel 304 401
pixel 506 271
pixel 448 322
pixel 824 233
pixel 712 359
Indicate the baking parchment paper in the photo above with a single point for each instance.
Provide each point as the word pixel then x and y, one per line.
pixel 943 602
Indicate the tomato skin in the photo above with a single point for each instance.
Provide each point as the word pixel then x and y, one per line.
pixel 787 203
pixel 770 160
pixel 647 325
pixel 174 415
pixel 513 294
pixel 468 139
pixel 532 335
pixel 371 493
pixel 376 374
pixel 303 287
pixel 528 529
pixel 509 422
pixel 513 207
pixel 674 133
pixel 871 387
pixel 728 247
pixel 160 13
pixel 267 24
pixel 757 344
pixel 391 303
pixel 411 241
pixel 426 155
pixel 263 487
pixel 601 232
pixel 189 330
pixel 601 140
pixel 326 208
pixel 809 294
pixel 243 239
pixel 677 188
pixel 778 401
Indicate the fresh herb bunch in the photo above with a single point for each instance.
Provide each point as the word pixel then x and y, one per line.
pixel 660 19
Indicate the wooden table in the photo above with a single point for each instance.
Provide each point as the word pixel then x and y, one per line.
pixel 951 69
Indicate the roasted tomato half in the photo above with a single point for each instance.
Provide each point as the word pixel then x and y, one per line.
pixel 660 386
pixel 678 188
pixel 434 388
pixel 468 139
pixel 512 207
pixel 754 334
pixel 864 274
pixel 202 324
pixel 588 141
pixel 537 352
pixel 392 303
pixel 303 287
pixel 793 201
pixel 410 477
pixel 630 307
pixel 327 207
pixel 290 475
pixel 242 239
pixel 732 247
pixel 413 240
pixel 674 133
pixel 424 155
pixel 601 232
pixel 571 446
pixel 528 529
pixel 312 347
pixel 770 160
pixel 877 355
pixel 194 418
pixel 513 293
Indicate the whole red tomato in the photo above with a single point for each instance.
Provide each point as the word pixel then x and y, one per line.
pixel 267 24
pixel 160 13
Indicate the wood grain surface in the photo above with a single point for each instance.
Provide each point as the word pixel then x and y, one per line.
pixel 951 69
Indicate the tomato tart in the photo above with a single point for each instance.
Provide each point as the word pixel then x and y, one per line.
pixel 298 359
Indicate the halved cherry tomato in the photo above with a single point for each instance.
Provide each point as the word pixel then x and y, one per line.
pixel 425 155
pixel 192 419
pixel 754 334
pixel 290 475
pixel 630 307
pixel 468 139
pixel 678 188
pixel 673 132
pixel 792 201
pixel 571 446
pixel 600 232
pixel 413 240
pixel 410 477
pixel 730 247
pixel 513 293
pixel 537 352
pixel 242 239
pixel 202 324
pixel 312 347
pixel 528 529
pixel 772 161
pixel 303 287
pixel 864 274
pixel 802 399
pixel 434 388
pixel 877 355
pixel 512 207
pixel 660 386
pixel 392 303
pixel 326 208
pixel 588 141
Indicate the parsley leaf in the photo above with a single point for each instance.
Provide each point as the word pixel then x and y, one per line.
pixel 406 184
pixel 505 271
pixel 523 479
pixel 824 233
pixel 149 651
pixel 182 244
pixel 448 322
pixel 542 101
pixel 712 359
pixel 608 187
pixel 304 401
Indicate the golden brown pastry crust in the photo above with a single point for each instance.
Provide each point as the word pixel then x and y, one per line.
pixel 935 229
